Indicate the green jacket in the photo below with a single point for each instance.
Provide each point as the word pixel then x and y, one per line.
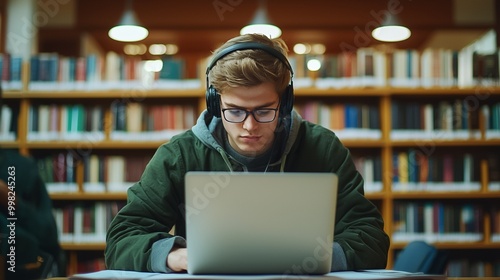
pixel 34 225
pixel 138 237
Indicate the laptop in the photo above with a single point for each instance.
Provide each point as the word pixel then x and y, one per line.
pixel 260 223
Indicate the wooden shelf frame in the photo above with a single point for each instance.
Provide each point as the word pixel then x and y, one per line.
pixel 385 146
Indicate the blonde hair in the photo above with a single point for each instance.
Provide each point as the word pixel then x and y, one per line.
pixel 250 67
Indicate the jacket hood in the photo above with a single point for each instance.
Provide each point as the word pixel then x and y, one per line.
pixel 209 130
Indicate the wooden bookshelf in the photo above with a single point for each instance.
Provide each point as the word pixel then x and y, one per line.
pixel 384 146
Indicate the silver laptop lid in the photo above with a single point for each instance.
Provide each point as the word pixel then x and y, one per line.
pixel 260 223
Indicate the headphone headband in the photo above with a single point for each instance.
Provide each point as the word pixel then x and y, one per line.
pixel 246 46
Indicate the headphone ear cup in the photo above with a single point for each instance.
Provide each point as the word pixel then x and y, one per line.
pixel 213 102
pixel 287 102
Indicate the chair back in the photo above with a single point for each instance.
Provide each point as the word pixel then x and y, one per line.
pixel 419 256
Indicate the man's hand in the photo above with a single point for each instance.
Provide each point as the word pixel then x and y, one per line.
pixel 177 259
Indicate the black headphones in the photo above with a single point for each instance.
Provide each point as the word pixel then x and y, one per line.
pixel 213 98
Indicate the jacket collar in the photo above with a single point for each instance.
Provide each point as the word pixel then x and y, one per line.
pixel 209 130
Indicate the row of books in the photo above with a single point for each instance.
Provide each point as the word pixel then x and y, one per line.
pixel 450 120
pixel 437 222
pixel 363 67
pixel 348 120
pixel 112 173
pixel 416 170
pixel 427 68
pixel 473 65
pixel 370 168
pixel 131 121
pixel 444 115
pixel 466 267
pixel 101 173
pixel 48 122
pixel 85 222
pixel 135 121
pixel 58 171
pixel 51 71
pixel 445 120
pixel 10 71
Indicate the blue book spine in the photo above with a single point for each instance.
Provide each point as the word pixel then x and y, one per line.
pixel 15 68
pixel 91 68
pixel 72 69
pixel 351 116
pixel 34 69
pixel 53 68
pixel 395 168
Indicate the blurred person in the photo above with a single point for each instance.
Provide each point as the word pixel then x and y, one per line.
pixel 29 241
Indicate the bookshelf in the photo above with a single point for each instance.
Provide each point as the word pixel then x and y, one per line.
pixel 390 154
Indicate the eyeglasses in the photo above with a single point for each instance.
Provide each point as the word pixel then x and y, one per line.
pixel 264 115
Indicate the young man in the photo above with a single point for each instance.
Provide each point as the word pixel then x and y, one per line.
pixel 249 125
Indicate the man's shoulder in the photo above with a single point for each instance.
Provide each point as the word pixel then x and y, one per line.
pixel 183 139
pixel 188 134
pixel 315 130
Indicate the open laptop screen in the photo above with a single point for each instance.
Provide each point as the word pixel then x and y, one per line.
pixel 260 223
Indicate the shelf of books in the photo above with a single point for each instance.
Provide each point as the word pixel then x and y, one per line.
pixel 425 139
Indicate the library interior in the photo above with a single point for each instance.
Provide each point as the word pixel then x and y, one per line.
pixel 420 116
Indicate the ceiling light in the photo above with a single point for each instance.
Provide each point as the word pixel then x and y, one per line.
pixel 128 28
pixel 261 24
pixel 313 64
pixel 318 48
pixel 134 49
pixel 301 48
pixel 391 30
pixel 171 49
pixel 157 49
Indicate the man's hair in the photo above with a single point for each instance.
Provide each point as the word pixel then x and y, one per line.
pixel 250 67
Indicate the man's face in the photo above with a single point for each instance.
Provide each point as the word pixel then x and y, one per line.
pixel 250 138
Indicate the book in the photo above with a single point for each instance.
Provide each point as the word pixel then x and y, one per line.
pixel 436 221
pixel 6 128
pixel 134 113
pixel 173 69
pixel 85 222
pixel 403 173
